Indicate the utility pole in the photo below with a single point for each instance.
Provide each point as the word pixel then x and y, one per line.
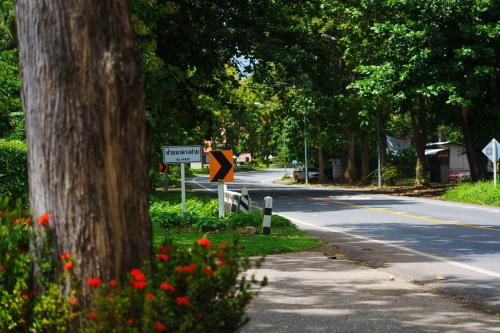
pixel 305 150
pixel 379 160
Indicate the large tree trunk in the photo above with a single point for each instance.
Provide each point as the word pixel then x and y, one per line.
pixel 350 167
pixel 86 129
pixel 321 165
pixel 419 124
pixel 365 164
pixel 476 171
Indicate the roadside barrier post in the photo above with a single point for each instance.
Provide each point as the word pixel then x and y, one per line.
pixel 268 212
pixel 244 204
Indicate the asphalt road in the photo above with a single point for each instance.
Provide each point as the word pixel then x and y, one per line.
pixel 452 247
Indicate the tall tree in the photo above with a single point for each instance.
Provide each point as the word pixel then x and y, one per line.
pixel 85 125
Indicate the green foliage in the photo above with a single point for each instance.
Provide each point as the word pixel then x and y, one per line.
pixel 390 174
pixel 13 163
pixel 480 193
pixel 202 214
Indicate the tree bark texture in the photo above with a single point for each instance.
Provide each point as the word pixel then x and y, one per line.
pixel 476 172
pixel 365 163
pixel 86 129
pixel 321 164
pixel 419 124
pixel 350 167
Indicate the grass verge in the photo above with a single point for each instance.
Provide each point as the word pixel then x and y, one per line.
pixel 201 220
pixel 480 193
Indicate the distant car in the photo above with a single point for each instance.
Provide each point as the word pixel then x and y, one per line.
pixel 299 174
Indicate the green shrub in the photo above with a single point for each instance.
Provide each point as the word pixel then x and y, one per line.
pixel 201 214
pixel 390 174
pixel 480 193
pixel 13 163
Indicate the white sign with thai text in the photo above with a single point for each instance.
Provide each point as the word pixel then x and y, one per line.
pixel 181 154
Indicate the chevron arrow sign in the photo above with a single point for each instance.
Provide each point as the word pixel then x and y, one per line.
pixel 221 166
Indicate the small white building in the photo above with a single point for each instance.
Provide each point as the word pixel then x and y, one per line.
pixel 447 161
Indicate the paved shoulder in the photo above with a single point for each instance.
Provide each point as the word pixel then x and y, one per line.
pixel 309 292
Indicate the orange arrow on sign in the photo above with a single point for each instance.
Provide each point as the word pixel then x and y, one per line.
pixel 221 166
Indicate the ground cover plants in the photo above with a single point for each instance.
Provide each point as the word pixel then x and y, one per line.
pixel 480 193
pixel 202 219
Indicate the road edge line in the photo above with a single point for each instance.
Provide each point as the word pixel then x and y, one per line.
pixel 399 247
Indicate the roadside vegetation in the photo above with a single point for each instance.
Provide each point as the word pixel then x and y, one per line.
pixel 480 193
pixel 202 220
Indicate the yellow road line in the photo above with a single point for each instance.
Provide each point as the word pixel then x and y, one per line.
pixel 388 211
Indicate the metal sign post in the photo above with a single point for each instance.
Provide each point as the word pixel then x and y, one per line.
pixel 181 155
pixel 495 168
pixel 183 189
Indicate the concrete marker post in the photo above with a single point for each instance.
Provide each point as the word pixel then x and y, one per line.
pixel 268 212
pixel 244 204
pixel 221 188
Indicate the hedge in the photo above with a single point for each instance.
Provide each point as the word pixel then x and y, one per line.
pixel 13 163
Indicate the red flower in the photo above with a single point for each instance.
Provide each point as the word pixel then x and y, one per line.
pixel 222 246
pixel 209 271
pixel 112 283
pixel 220 255
pixel 165 248
pixel 43 219
pixel 204 242
pixel 25 296
pixel 162 257
pixel 130 322
pixel 182 300
pixel 219 263
pixel 179 269
pixel 94 282
pixel 138 284
pixel 27 221
pixel 167 287
pixel 92 315
pixel 160 327
pixel 68 266
pixel 73 301
pixel 138 274
pixel 189 269
pixel 150 296
pixel 139 281
pixel 65 256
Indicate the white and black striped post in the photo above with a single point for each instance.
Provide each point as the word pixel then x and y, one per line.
pixel 268 212
pixel 244 204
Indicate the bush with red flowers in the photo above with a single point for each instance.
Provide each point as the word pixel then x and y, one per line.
pixel 195 289
pixel 23 305
pixel 200 289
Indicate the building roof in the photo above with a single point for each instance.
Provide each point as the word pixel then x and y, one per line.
pixel 431 152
